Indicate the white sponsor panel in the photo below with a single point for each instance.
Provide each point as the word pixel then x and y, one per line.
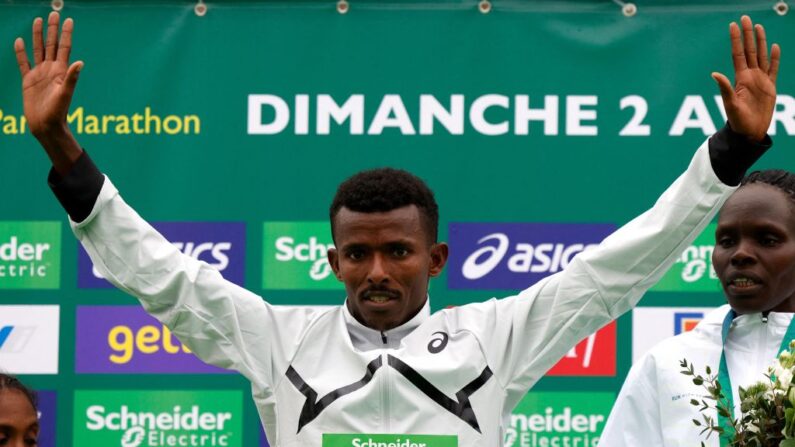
pixel 651 325
pixel 29 339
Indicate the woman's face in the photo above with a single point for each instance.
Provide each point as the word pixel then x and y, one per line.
pixel 754 254
pixel 19 424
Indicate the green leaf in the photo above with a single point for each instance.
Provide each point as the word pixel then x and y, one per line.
pixel 789 422
pixel 698 381
pixel 787 443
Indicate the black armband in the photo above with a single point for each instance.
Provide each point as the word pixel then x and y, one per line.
pixel 732 154
pixel 79 188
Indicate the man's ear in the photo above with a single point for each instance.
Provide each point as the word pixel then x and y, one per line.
pixel 334 262
pixel 439 253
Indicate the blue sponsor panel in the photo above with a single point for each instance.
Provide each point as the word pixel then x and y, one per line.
pixel 46 407
pixel 220 244
pixel 515 255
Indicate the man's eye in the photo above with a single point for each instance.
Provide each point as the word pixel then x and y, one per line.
pixel 400 252
pixel 355 255
pixel 725 242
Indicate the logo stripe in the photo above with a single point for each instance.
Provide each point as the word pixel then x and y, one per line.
pixel 461 408
pixel 313 407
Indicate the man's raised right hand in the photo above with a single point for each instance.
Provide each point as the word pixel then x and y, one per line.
pixel 47 89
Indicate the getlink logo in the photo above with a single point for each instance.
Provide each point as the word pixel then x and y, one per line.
pixel 219 244
pixel 515 255
pixel 125 339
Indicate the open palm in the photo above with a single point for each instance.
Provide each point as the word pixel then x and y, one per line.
pixel 48 86
pixel 751 101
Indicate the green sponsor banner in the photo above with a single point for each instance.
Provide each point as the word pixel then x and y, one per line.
pixel 559 419
pixel 388 440
pixel 294 256
pixel 30 255
pixel 158 418
pixel 693 271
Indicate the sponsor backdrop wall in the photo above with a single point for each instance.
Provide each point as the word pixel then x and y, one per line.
pixel 542 126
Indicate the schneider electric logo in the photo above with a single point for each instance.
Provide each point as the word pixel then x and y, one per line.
pixel 30 255
pixel 158 418
pixel 559 419
pixel 515 255
pixel 220 244
pixel 295 256
pixel 693 271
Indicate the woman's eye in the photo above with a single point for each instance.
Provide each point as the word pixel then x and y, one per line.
pixel 769 241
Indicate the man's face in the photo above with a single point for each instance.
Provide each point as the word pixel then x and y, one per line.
pixel 385 260
pixel 754 253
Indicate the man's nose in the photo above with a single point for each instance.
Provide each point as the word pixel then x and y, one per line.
pixel 378 273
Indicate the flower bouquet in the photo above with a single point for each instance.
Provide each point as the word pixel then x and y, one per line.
pixel 768 406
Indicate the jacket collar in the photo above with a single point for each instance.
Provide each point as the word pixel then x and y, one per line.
pixel 367 339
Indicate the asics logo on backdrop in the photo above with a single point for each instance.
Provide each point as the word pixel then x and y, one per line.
pixel 540 258
pixel 474 267
pixel 214 253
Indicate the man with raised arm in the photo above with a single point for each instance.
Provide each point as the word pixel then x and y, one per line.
pixel 381 368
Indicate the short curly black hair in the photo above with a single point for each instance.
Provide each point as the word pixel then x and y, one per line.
pixel 8 382
pixel 781 179
pixel 386 189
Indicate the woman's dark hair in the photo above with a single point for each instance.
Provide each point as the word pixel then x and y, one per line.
pixel 781 179
pixel 8 382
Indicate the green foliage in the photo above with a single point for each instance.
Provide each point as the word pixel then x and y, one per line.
pixel 768 414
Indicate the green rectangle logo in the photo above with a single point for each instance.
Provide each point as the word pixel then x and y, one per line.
pixel 158 418
pixel 294 256
pixel 693 271
pixel 388 440
pixel 559 419
pixel 30 255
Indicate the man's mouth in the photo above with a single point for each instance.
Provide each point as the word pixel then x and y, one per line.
pixel 380 296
